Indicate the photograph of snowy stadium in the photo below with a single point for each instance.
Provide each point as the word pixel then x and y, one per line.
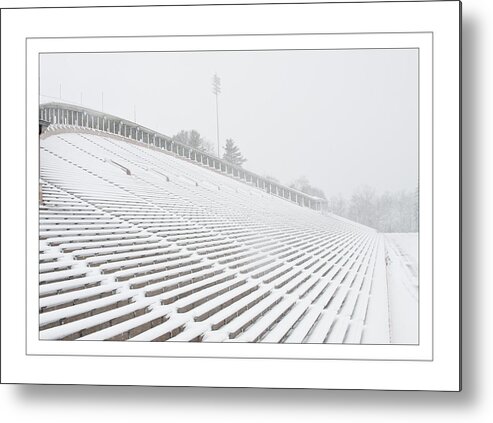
pixel 229 196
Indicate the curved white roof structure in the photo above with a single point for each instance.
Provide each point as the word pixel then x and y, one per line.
pixel 142 245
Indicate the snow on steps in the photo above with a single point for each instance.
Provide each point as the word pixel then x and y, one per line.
pixel 149 255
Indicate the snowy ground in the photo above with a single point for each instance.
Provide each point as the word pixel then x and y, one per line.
pixel 378 321
pixel 402 280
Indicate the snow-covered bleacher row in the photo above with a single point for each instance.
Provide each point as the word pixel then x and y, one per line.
pixel 137 244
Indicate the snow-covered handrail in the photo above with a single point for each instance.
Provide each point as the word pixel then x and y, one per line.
pixel 67 114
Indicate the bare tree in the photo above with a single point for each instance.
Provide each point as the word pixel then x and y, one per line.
pixel 303 184
pixel 362 206
pixel 191 138
pixel 388 212
pixel 337 204
pixel 272 179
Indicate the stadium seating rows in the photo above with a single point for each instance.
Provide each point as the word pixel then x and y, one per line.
pixel 136 244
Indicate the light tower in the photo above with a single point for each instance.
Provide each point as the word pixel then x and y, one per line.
pixel 216 90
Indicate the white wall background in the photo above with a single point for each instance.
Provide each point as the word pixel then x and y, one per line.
pixel 474 404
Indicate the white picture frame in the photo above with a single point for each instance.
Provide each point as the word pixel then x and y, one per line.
pixel 431 27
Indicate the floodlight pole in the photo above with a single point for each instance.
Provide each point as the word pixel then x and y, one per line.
pixel 216 90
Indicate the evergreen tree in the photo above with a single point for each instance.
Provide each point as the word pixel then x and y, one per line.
pixel 232 153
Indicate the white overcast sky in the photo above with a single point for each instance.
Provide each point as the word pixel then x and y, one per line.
pixel 342 118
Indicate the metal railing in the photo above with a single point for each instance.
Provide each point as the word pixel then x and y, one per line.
pixel 66 114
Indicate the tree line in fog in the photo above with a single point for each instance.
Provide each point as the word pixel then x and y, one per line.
pixel 387 212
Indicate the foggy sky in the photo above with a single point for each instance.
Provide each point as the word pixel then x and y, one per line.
pixel 342 118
